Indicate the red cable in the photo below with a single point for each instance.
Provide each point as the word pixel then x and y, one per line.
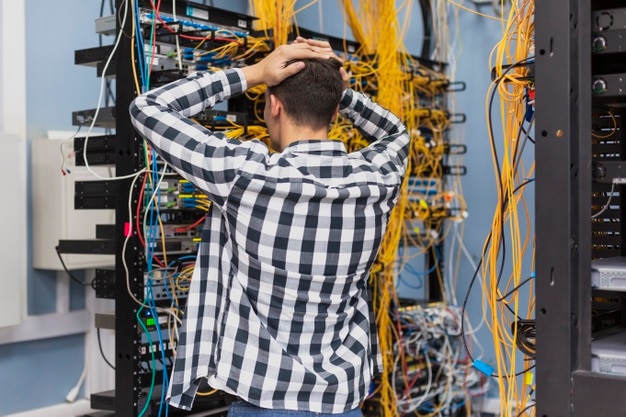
pixel 170 30
pixel 138 212
pixel 138 216
pixel 191 226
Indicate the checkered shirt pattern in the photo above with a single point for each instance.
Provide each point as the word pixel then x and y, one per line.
pixel 279 308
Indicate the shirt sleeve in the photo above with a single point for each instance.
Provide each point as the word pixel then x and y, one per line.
pixel 389 147
pixel 205 158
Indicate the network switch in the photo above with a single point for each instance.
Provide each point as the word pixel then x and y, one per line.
pixel 608 354
pixel 609 273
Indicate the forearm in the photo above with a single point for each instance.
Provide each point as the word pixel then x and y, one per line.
pixel 253 75
pixel 190 95
pixel 374 121
pixel 205 158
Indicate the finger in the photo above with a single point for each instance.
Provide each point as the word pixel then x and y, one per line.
pixel 324 47
pixel 305 51
pixel 292 69
pixel 321 44
pixel 345 77
pixel 303 46
pixel 338 58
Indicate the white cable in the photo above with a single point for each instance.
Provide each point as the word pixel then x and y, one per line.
pixel 434 336
pixel 130 293
pixel 468 256
pixel 151 201
pixel 430 383
pixel 73 393
pixel 608 202
pixel 61 148
pixel 452 56
pixel 320 15
pixel 450 274
pixel 474 267
pixel 433 18
pixel 178 54
pixel 125 264
pixel 454 358
pixel 471 330
pixel 120 35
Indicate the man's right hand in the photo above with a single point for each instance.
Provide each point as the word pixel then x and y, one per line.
pixel 284 62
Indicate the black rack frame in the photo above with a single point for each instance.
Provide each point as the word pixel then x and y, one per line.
pixel 565 384
pixel 130 383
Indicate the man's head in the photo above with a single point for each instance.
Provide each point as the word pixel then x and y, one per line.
pixel 309 98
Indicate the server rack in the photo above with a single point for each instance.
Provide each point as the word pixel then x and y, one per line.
pixel 124 151
pixel 568 193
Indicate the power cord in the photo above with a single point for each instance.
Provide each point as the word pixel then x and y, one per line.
pixel 72 276
pixel 73 393
pixel 102 351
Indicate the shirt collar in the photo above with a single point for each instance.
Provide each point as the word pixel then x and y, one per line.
pixel 316 146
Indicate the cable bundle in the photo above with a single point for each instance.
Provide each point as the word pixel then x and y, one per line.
pixel 431 375
pixel 416 93
pixel 508 320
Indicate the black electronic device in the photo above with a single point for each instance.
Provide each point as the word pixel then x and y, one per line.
pixel 609 19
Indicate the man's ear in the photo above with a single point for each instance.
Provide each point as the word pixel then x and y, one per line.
pixel 276 107
pixel 332 119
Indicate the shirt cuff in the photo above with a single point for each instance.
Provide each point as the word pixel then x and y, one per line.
pixel 242 82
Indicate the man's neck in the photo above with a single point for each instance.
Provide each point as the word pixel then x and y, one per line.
pixel 291 133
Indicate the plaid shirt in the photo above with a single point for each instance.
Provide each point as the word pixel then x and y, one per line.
pixel 279 308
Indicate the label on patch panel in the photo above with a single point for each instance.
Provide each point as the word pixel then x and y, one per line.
pixel 197 13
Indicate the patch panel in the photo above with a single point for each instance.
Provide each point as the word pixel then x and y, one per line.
pixel 192 29
pixel 167 289
pixel 197 12
pixel 147 349
pixel 222 118
pixel 176 246
pixel 182 201
pixel 423 187
pixel 172 230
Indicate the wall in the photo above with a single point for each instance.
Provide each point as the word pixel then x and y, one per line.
pixel 39 373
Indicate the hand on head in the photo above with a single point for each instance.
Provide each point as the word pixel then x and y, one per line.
pixel 285 61
pixel 326 46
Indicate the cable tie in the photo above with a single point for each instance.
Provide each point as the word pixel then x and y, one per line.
pixel 533 274
pixel 483 367
pixel 128 229
pixel 528 378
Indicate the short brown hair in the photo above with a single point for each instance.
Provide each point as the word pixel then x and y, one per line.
pixel 311 96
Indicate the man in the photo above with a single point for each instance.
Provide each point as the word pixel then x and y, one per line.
pixel 278 312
